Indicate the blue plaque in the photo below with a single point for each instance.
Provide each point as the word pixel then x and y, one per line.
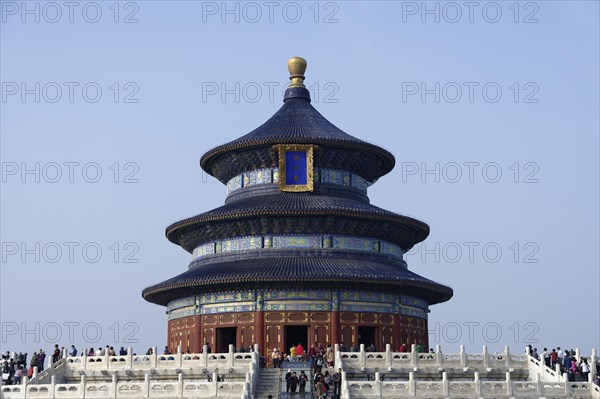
pixel 295 167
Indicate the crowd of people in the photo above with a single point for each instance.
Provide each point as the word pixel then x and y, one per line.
pixel 317 355
pixel 566 361
pixel 14 369
pixel 323 383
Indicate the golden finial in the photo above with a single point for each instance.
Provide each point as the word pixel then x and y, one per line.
pixel 297 67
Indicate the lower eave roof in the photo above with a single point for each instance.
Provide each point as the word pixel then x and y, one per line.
pixel 264 272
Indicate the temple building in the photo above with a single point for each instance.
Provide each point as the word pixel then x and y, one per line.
pixel 297 253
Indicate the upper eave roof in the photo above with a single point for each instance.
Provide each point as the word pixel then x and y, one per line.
pixel 296 122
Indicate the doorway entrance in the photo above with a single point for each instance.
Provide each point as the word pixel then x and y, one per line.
pixel 225 337
pixel 368 336
pixel 295 334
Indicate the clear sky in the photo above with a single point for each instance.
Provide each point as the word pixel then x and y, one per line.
pixel 490 108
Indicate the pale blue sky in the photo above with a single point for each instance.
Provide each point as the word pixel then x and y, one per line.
pixel 363 64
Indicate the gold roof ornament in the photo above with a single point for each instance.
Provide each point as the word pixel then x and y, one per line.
pixel 297 67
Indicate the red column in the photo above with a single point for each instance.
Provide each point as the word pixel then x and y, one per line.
pixel 196 346
pixel 425 337
pixel 397 337
pixel 259 328
pixel 335 327
pixel 169 340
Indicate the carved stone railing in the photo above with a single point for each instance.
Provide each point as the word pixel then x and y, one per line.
pixel 56 369
pixel 174 361
pixel 539 368
pixel 390 361
pixel 240 384
pixel 126 389
pixel 473 388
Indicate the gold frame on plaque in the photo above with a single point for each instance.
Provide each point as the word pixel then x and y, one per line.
pixel 283 148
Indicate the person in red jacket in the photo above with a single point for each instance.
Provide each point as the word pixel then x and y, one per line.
pixel 300 354
pixel 553 357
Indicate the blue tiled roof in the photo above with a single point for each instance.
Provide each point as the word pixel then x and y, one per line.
pixel 308 270
pixel 305 205
pixel 296 122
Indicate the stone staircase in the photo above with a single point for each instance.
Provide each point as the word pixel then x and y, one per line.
pixel 268 383
pixel 297 367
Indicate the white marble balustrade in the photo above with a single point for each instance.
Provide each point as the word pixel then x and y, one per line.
pixel 390 361
pixel 47 385
pixel 230 359
pixel 475 388
pixel 127 389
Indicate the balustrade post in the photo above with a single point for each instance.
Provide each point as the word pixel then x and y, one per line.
pixel 53 386
pixel 344 384
pixel 567 385
pixel 230 356
pixel 179 356
pixel 507 356
pixel 509 386
pixel 129 358
pixel 205 355
pixel 445 384
pixel 477 385
pixel 438 355
pixel 64 353
pixel 106 358
pixel 593 360
pixel 412 385
pixel 24 386
pixel 377 386
pixel 413 355
pixel 338 357
pixel 49 366
pixel 35 372
pixel 215 384
pixel 362 356
pixel 557 369
pixel 527 350
pixel 82 386
pixel 463 356
pixel 180 385
pixel 154 357
pixel 388 355
pixel 577 354
pixel 114 385
pixel 84 359
pixel 146 390
pixel 486 357
pixel 540 386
